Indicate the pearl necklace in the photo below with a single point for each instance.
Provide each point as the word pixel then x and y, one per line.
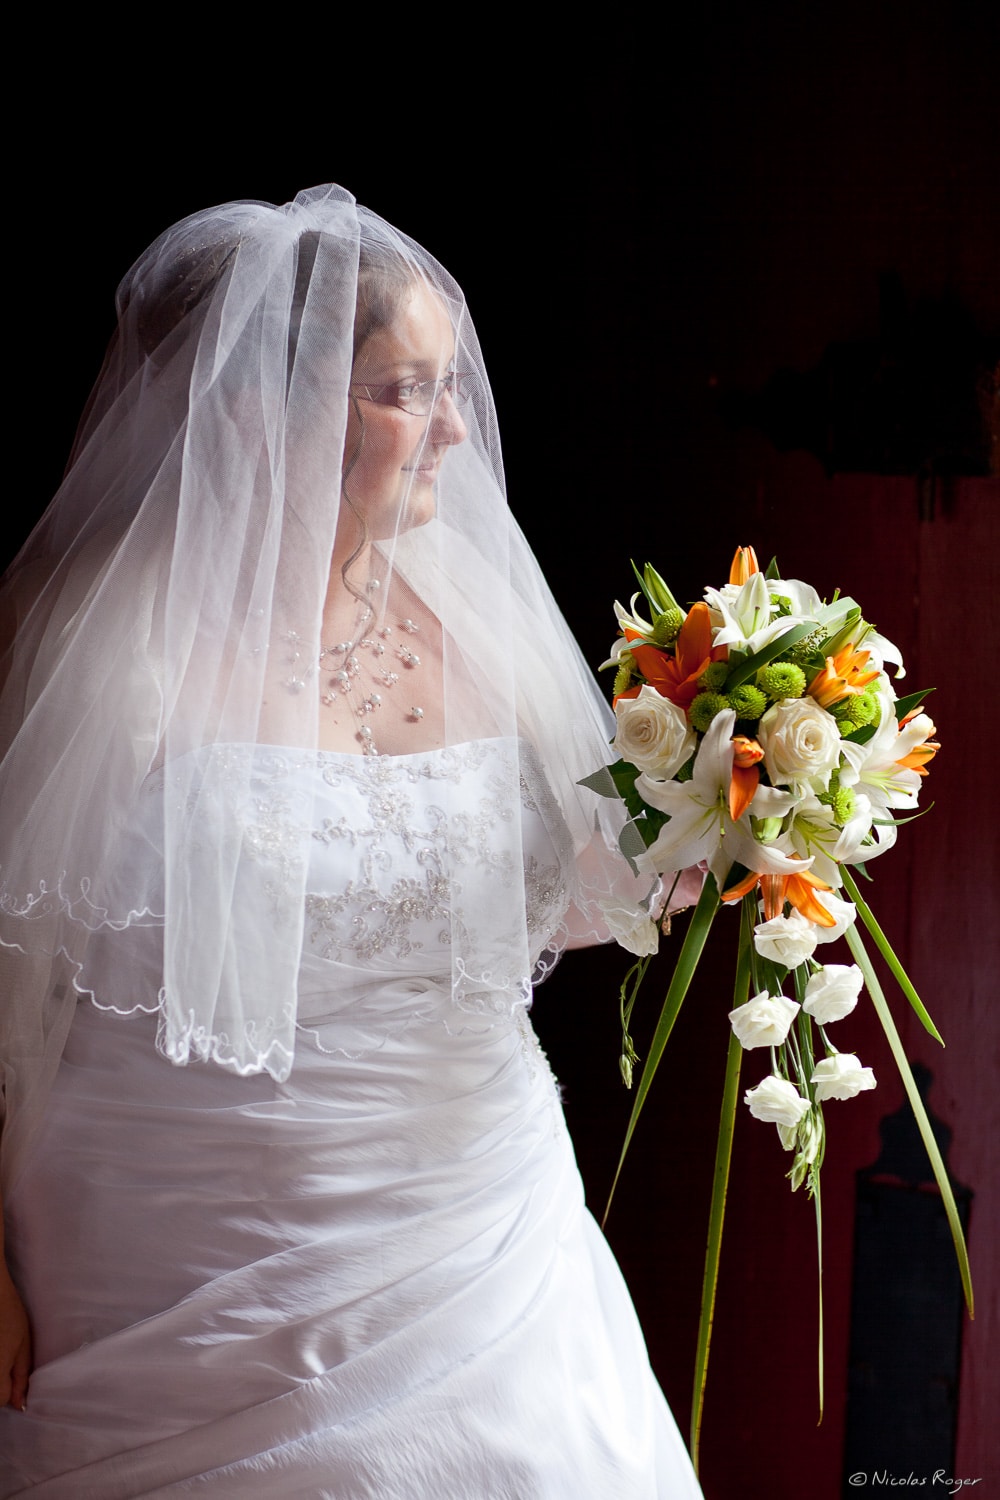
pixel 346 681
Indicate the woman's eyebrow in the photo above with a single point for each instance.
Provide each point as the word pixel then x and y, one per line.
pixel 396 370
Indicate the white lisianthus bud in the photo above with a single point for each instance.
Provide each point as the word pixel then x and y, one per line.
pixel 764 1021
pixel 801 743
pixel 843 912
pixel 841 1077
pixel 833 993
pixel 786 940
pixel 653 733
pixel 631 927
pixel 776 1101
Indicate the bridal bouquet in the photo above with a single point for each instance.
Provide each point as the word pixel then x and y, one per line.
pixel 759 738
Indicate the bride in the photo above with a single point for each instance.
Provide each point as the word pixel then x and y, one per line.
pixel 292 732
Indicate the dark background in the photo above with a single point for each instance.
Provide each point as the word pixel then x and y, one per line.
pixel 735 278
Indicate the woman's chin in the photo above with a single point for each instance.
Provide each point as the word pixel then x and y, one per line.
pixel 419 507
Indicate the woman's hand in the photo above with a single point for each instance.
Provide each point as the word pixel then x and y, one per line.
pixel 15 1345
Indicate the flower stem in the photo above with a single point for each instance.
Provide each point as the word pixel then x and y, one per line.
pixel 819 1280
pixel 687 962
pixel 720 1181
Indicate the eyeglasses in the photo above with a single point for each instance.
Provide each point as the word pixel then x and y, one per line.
pixel 419 397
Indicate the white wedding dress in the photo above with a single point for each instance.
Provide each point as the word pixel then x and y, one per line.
pixel 376 1279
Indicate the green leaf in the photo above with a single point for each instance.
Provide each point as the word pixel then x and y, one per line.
pixel 632 844
pixel 771 572
pixel 602 782
pixel 751 665
pixel 906 705
pixel 642 584
pixel 861 735
pixel 847 627
pixel 720 1179
pixel 885 948
pixel 658 590
pixel 938 1167
pixel 687 963
pixel 650 824
pixel 898 822
pixel 624 775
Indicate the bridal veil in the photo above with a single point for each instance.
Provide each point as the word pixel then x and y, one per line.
pixel 166 613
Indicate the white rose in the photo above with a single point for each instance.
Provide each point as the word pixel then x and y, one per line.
pixel 631 927
pixel 841 1077
pixel 786 940
pixel 801 743
pixel 763 1021
pixel 778 1102
pixel 833 993
pixel 653 733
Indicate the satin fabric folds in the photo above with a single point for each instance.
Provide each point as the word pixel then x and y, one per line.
pixel 376 1278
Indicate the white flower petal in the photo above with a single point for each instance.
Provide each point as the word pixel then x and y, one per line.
pixel 841 1077
pixel 832 993
pixel 786 940
pixel 776 1101
pixel 763 1021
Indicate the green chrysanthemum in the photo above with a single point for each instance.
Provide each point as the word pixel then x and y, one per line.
pixel 704 709
pixel 859 709
pixel 841 800
pixel 808 651
pixel 714 676
pixel 623 676
pixel 666 627
pixel 748 701
pixel 782 679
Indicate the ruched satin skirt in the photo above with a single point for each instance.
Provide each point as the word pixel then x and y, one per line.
pixel 377 1279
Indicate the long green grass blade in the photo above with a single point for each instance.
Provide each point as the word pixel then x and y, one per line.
pixel 687 962
pixel 857 947
pixel 819 1278
pixel 720 1183
pixel 713 1249
pixel 885 948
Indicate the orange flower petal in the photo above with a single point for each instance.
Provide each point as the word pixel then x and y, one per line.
pixel 746 752
pixel 744 563
pixel 742 887
pixel 742 787
pixel 800 894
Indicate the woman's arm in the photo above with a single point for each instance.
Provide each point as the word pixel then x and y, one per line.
pixel 15 1339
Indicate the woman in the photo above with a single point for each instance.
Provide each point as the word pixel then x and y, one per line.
pixel 293 732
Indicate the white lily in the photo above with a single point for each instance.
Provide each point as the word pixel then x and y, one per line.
pixel 877 767
pixel 631 619
pixel 814 834
pixel 883 650
pixel 802 597
pixel 701 827
pixel 746 616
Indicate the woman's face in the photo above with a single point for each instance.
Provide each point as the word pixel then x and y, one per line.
pixel 391 482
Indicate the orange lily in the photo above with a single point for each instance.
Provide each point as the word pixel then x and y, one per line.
pixel 744 563
pixel 676 676
pixel 843 675
pixel 918 757
pixel 777 889
pixel 746 777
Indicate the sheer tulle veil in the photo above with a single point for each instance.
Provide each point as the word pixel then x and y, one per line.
pixel 166 617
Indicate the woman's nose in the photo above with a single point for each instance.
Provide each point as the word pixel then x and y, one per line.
pixel 446 424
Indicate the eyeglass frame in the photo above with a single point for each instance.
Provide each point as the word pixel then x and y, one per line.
pixel 449 384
